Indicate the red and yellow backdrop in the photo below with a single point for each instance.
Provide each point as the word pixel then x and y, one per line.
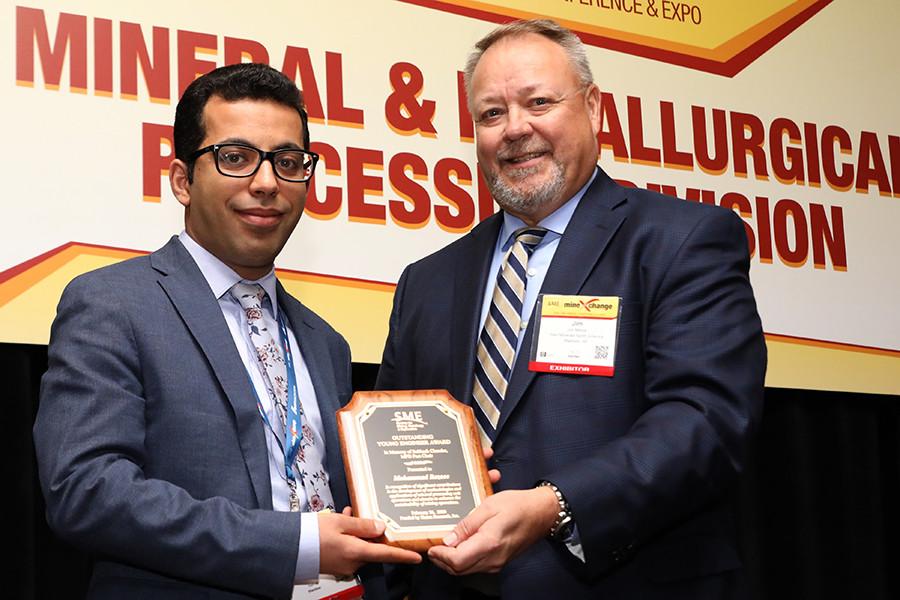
pixel 781 110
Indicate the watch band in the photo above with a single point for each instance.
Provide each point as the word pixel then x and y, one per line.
pixel 562 526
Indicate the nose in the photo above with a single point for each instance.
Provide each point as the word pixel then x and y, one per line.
pixel 518 123
pixel 264 182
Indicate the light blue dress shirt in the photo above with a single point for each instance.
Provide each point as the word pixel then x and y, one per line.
pixel 221 278
pixel 555 223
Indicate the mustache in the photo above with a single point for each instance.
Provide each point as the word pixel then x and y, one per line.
pixel 517 148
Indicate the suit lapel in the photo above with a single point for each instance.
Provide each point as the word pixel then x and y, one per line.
pixel 599 215
pixel 469 283
pixel 316 355
pixel 188 291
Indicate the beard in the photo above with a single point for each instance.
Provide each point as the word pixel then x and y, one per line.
pixel 522 199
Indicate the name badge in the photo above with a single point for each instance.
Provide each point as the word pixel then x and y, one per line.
pixel 329 588
pixel 575 335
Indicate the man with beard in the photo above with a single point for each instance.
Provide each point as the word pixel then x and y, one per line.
pixel 618 444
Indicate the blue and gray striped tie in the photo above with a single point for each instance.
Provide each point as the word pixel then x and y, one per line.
pixel 497 343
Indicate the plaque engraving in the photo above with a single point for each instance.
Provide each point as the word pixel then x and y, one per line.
pixel 413 460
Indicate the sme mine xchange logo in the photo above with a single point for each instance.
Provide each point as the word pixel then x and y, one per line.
pixel 716 36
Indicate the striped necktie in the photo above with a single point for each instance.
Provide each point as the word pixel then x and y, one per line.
pixel 499 337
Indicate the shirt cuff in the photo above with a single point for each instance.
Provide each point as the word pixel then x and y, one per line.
pixel 307 570
pixel 573 544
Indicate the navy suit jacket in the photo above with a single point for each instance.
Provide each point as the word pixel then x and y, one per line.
pixel 644 457
pixel 151 452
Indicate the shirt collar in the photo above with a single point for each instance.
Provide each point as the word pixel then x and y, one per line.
pixel 556 222
pixel 220 276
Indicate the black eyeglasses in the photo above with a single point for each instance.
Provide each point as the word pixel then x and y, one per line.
pixel 243 160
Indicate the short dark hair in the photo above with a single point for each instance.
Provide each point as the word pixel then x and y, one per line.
pixel 254 81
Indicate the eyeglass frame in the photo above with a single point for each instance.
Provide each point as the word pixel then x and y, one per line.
pixel 263 156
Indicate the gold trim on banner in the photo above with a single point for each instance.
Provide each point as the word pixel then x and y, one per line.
pixel 359 310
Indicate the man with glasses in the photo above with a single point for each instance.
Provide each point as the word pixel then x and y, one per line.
pixel 186 434
pixel 619 411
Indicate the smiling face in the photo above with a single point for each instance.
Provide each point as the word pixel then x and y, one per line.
pixel 244 222
pixel 536 125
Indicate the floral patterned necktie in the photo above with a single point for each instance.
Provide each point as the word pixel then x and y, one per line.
pixel 271 364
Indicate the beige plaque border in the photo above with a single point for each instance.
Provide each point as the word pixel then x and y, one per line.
pixel 356 460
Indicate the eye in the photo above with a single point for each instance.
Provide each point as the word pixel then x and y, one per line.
pixel 540 103
pixel 491 114
pixel 288 162
pixel 234 157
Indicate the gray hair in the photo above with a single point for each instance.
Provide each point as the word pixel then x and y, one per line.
pixel 551 30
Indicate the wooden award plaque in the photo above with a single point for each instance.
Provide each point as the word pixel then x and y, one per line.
pixel 413 460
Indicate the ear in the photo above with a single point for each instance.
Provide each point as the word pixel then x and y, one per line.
pixel 592 103
pixel 178 179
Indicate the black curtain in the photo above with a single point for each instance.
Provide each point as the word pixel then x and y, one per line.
pixel 817 507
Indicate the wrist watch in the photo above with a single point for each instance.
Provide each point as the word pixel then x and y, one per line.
pixel 562 526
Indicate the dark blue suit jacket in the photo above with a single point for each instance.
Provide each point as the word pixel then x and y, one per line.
pixel 151 452
pixel 645 457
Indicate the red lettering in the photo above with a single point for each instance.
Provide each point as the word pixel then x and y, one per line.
pixel 823 235
pixel 158 150
pixel 764 229
pixel 747 137
pixel 466 124
pixel 297 62
pixel 239 50
pixel 329 206
pixel 718 162
pixel 842 181
pixel 445 171
pixel 812 154
pixel 870 166
pixel 103 55
pixel 639 152
pixel 894 149
pixel 338 114
pixel 672 156
pixel 189 66
pixel 785 210
pixel 71 39
pixel 610 134
pixel 156 71
pixel 787 163
pixel 734 200
pixel 414 208
pixel 360 185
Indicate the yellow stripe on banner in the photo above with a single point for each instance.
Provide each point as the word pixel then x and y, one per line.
pixel 358 309
pixel 720 22
pixel 754 33
pixel 28 300
pixel 813 365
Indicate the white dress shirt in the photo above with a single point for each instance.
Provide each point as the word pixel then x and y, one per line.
pixel 221 278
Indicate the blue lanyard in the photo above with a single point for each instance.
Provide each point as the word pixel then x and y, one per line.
pixel 293 433
pixel 292 426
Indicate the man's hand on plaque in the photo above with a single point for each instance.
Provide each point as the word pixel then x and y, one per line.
pixel 503 526
pixel 344 545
